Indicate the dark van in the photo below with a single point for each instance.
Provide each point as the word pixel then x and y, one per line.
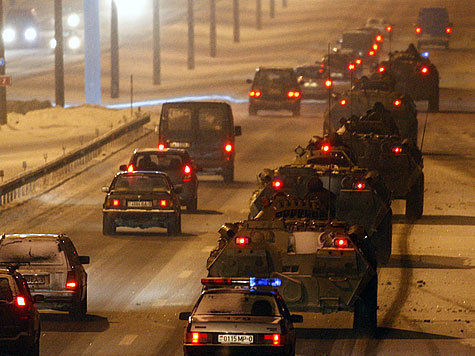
pixel 433 27
pixel 206 130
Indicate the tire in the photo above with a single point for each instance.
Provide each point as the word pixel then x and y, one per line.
pixel 79 309
pixel 434 99
pixel 192 205
pixel 174 226
pixel 385 238
pixel 228 174
pixel 108 227
pixel 296 111
pixel 252 110
pixel 415 200
pixel 365 318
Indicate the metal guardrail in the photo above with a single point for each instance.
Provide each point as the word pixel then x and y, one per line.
pixel 34 181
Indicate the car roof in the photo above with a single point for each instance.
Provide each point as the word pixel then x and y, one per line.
pixel 239 291
pixel 34 236
pixel 180 151
pixel 276 68
pixel 160 173
pixel 195 103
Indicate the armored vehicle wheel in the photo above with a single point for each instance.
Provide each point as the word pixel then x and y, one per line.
pixel 415 199
pixel 365 315
pixel 228 174
pixel 108 226
pixel 385 239
pixel 252 110
pixel 296 111
pixel 434 99
pixel 192 205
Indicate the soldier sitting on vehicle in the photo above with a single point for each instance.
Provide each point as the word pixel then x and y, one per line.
pixel 377 121
pixel 326 198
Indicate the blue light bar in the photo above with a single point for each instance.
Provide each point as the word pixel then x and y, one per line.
pixel 425 54
pixel 269 282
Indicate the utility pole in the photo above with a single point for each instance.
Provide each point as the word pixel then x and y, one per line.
pixel 157 80
pixel 272 9
pixel 3 90
pixel 191 36
pixel 92 52
pixel 284 3
pixel 259 14
pixel 236 28
pixel 212 28
pixel 114 51
pixel 58 53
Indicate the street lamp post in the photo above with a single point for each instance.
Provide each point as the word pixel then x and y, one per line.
pixel 114 51
pixel 212 28
pixel 259 14
pixel 191 36
pixel 3 90
pixel 272 9
pixel 236 27
pixel 156 43
pixel 58 53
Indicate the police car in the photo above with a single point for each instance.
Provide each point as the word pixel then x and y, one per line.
pixel 233 317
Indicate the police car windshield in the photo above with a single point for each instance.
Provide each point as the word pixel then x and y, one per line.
pixel 141 183
pixel 238 304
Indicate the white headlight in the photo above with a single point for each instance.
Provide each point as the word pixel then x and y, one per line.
pixel 52 43
pixel 74 20
pixel 9 35
pixel 74 42
pixel 30 34
pixel 313 85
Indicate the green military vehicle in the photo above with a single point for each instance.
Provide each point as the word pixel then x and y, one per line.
pixel 398 161
pixel 364 94
pixel 413 75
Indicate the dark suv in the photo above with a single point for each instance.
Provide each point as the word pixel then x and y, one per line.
pixel 433 27
pixel 20 328
pixel 274 89
pixel 206 130
pixel 176 163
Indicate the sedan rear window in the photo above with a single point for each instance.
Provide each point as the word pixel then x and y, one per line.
pixel 33 252
pixel 238 304
pixel 141 183
pixel 5 290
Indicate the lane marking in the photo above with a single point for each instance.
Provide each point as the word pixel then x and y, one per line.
pixel 207 248
pixel 185 274
pixel 127 340
pixel 160 302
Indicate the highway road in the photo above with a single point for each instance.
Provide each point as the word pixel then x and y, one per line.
pixel 140 280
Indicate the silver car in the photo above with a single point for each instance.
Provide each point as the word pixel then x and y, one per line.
pixel 52 268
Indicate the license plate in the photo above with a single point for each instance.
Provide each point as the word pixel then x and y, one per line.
pixel 35 279
pixel 179 144
pixel 235 339
pixel 139 204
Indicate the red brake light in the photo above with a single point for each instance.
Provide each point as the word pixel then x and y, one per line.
pixel 389 28
pixel 130 168
pixel 381 69
pixel 326 147
pixel 296 94
pixel 228 148
pixel 397 102
pixel 115 202
pixel 255 93
pixel 20 301
pixel 163 203
pixel 321 70
pixel 418 30
pixel 161 146
pixel 71 280
pixel 328 83
pixel 379 38
pixel 277 184
pixel 351 66
pixel 293 94
pixel 358 61
pixel 242 241
pixel 342 103
pixel 397 149
pixel 71 285
pixel 187 169
pixel 198 338
pixel 371 53
pixel 448 30
pixel 424 70
pixel 275 338
pixel 360 185
pixel 341 242
pixel 375 46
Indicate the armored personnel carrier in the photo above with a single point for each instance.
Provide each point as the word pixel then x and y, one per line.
pixel 361 98
pixel 332 187
pixel 414 75
pixel 323 266
pixel 398 161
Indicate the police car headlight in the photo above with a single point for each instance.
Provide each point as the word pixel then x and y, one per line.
pixel 74 42
pixel 9 35
pixel 52 43
pixel 73 20
pixel 30 34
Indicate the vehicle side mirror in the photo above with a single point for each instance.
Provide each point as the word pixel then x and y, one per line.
pixel 249 81
pixel 84 260
pixel 38 298
pixel 237 131
pixel 123 167
pixel 178 189
pixel 184 315
pixel 296 318
pixel 105 189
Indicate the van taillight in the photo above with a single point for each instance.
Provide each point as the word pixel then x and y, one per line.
pixel 71 282
pixel 20 301
pixel 228 148
pixel 161 146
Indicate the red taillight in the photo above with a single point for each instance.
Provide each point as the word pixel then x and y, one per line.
pixel 397 102
pixel 71 280
pixel 343 102
pixel 277 184
pixel 71 285
pixel 424 70
pixel 321 70
pixel 255 93
pixel 228 148
pixel 358 61
pixel 296 94
pixel 379 38
pixel 325 147
pixel 351 66
pixel 397 149
pixel 360 185
pixel 163 203
pixel 371 53
pixel 20 301
pixel 187 169
pixel 381 69
pixel 341 243
pixel 389 28
pixel 328 83
pixel 161 146
pixel 274 338
pixel 242 241
pixel 448 30
pixel 198 338
pixel 375 46
pixel 418 30
pixel 293 94
pixel 130 168
pixel 115 202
